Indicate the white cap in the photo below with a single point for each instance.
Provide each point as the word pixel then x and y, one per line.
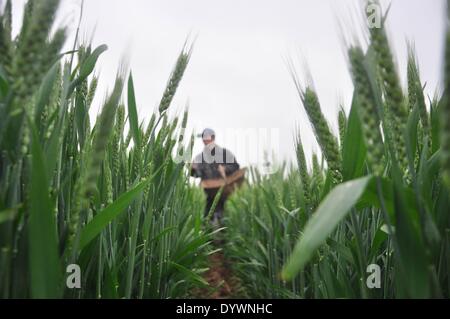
pixel 207 132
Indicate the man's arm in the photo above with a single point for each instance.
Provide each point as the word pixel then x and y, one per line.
pixel 196 168
pixel 231 164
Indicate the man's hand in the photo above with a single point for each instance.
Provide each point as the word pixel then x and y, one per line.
pixel 221 169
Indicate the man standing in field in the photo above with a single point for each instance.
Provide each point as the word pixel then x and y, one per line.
pixel 213 163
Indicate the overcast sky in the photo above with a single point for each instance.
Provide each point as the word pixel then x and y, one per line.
pixel 237 77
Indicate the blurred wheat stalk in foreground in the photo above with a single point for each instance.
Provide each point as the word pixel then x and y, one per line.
pixel 110 201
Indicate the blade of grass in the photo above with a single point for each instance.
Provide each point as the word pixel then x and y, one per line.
pixel 45 268
pixel 132 113
pixel 331 211
pixel 103 218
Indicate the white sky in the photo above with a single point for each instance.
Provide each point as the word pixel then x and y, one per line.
pixel 237 77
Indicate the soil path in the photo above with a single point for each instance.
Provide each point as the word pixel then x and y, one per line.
pixel 222 283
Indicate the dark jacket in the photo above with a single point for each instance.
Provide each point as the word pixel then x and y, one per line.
pixel 207 163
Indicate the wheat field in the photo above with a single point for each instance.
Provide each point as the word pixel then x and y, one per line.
pixel 104 194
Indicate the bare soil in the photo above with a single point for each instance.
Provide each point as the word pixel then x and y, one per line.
pixel 222 283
